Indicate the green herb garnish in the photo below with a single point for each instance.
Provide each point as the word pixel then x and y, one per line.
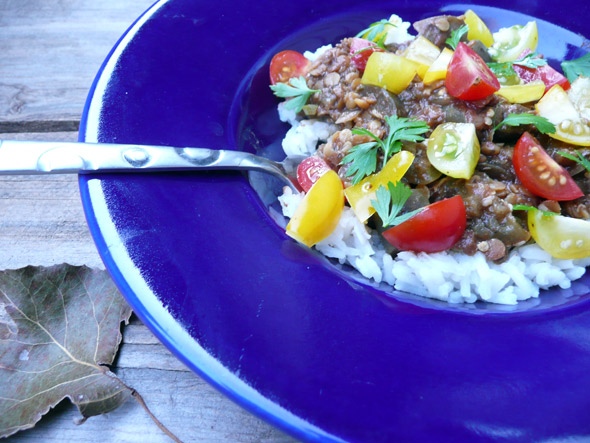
pixel 375 30
pixel 532 208
pixel 574 68
pixel 531 60
pixel 378 44
pixel 502 69
pixel 390 202
pixel 363 157
pixel 541 123
pixel 580 159
pixel 506 69
pixel 456 36
pixel 297 88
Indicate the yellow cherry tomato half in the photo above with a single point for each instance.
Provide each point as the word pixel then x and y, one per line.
pixel 360 195
pixel 453 149
pixel 389 71
pixel 562 237
pixel 319 212
pixel 556 107
pixel 510 42
pixel 478 29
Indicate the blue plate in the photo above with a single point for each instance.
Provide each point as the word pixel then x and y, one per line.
pixel 306 345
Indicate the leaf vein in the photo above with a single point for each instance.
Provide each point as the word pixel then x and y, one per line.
pixel 18 401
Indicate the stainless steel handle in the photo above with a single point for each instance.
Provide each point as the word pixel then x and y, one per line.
pixel 29 157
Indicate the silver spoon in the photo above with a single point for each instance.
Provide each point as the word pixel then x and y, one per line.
pixel 31 157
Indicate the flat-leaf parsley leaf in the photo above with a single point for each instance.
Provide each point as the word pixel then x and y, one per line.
pixel 506 69
pixel 541 123
pixel 363 160
pixel 456 36
pixel 574 68
pixel 363 157
pixel 297 89
pixel 580 159
pixel 390 202
pixel 376 29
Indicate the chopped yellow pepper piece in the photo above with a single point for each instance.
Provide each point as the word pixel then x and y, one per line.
pixel 525 93
pixel 360 195
pixel 438 69
pixel 423 52
pixel 389 71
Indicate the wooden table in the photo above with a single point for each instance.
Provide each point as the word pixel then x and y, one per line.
pixel 50 51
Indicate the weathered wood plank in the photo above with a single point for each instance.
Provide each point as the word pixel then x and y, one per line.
pixel 50 52
pixel 41 217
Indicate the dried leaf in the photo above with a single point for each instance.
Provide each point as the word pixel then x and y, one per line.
pixel 59 326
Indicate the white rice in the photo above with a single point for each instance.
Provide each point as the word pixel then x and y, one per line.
pixel 450 276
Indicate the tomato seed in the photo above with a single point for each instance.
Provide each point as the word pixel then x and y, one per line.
pixel 562 180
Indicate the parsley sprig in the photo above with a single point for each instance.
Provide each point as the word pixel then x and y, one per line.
pixel 580 159
pixel 363 157
pixel 297 88
pixel 506 69
pixel 532 208
pixel 376 30
pixel 456 36
pixel 574 68
pixel 390 202
pixel 541 123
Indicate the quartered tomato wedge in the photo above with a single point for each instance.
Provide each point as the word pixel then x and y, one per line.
pixel 436 228
pixel 359 52
pixel 286 65
pixel 542 175
pixel 468 76
pixel 310 170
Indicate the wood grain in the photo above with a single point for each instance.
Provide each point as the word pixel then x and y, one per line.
pixel 50 51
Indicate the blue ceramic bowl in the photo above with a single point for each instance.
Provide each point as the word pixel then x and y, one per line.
pixel 306 345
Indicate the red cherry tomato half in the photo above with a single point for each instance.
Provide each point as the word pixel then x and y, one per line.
pixel 310 170
pixel 436 228
pixel 545 73
pixel 286 65
pixel 542 175
pixel 468 76
pixel 359 54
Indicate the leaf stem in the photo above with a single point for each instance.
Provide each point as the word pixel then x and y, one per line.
pixel 137 396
